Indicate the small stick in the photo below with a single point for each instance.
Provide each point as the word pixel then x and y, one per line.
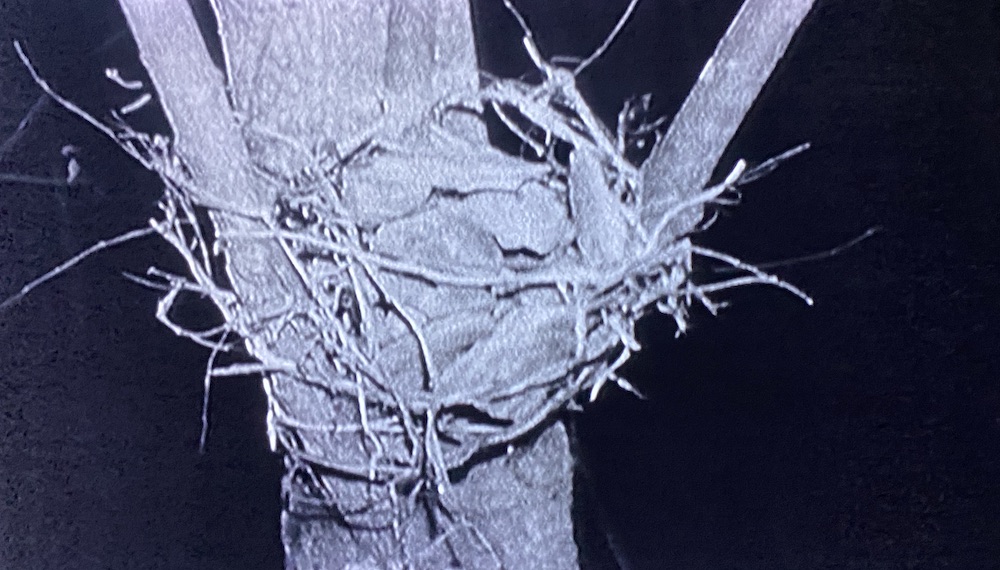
pixel 834 251
pixel 36 180
pixel 701 198
pixel 529 41
pixel 607 41
pixel 136 105
pixel 366 428
pixel 227 65
pixel 115 76
pixel 769 165
pixel 195 226
pixel 609 374
pixel 149 284
pixel 764 277
pixel 425 353
pixel 69 263
pixel 248 369
pixel 203 436
pixel 76 110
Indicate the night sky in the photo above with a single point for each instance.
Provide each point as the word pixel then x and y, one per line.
pixel 863 432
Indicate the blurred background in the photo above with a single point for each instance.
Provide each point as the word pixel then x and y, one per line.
pixel 863 432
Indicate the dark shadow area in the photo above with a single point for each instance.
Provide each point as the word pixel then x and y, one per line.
pixel 99 404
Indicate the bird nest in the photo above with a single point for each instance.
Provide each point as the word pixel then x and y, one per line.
pixel 456 296
pixel 477 295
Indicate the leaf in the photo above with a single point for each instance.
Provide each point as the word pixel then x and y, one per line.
pixel 402 171
pixel 446 338
pixel 440 239
pixel 533 218
pixel 529 343
pixel 602 232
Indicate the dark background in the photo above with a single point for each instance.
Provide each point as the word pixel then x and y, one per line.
pixel 860 433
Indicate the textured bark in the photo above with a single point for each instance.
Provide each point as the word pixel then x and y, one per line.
pixel 520 502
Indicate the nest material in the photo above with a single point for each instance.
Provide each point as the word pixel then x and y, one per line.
pixel 474 298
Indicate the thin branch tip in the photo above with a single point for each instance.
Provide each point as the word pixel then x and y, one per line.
pixel 73 261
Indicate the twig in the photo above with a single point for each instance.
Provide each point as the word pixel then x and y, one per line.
pixel 249 369
pixel 769 165
pixel 149 284
pixel 76 110
pixel 607 41
pixel 699 199
pixel 227 65
pixel 115 76
pixel 136 105
pixel 529 40
pixel 36 180
pixel 425 353
pixel 203 437
pixel 834 251
pixel 69 263
pixel 366 428
pixel 760 276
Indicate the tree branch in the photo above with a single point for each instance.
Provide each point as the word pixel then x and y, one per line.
pixel 683 161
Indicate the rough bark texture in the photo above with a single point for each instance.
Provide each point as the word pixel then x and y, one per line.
pixel 519 502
